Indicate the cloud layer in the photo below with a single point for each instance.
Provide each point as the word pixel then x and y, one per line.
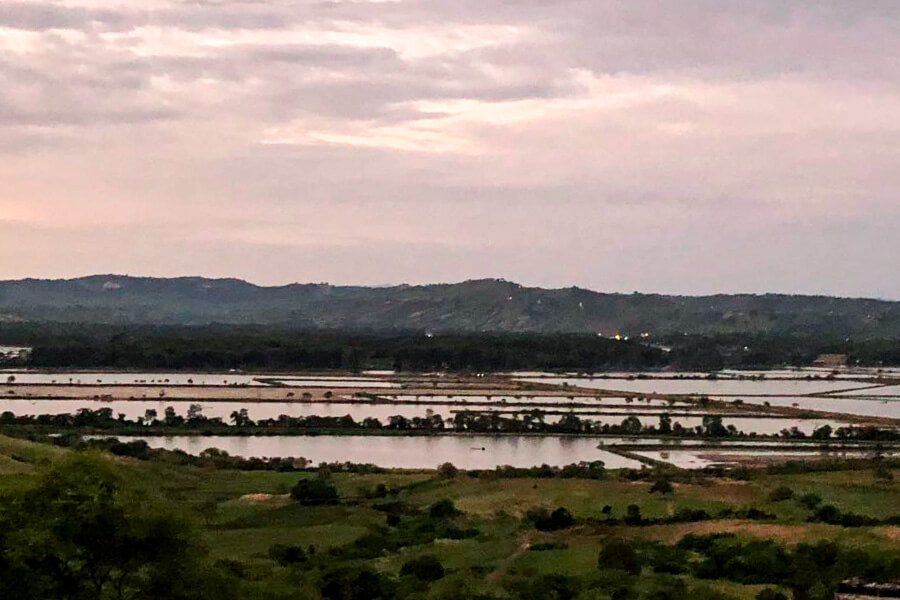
pixel 697 146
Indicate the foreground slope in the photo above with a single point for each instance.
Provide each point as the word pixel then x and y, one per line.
pixel 465 536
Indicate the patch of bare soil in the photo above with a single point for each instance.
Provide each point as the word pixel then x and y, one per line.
pixel 264 498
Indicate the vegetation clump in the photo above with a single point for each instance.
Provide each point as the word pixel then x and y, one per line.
pixel 315 492
pixel 424 568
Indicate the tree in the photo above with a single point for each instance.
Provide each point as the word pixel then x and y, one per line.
pixel 663 486
pixel 287 555
pixel 810 500
pixel 631 425
pixel 442 509
pixel 822 433
pixel 619 555
pixel 354 583
pixel 240 418
pixel 883 472
pixel 770 594
pixel 712 426
pixel 194 412
pixel 447 471
pixel 424 568
pixel 314 492
pixel 633 515
pixel 80 534
pixel 171 418
pixel 665 424
pixel 781 493
pixel 551 587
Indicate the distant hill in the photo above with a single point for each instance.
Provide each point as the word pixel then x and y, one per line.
pixel 470 306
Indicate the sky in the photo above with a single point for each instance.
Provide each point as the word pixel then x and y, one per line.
pixel 673 146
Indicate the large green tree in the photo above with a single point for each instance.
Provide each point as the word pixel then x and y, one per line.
pixel 80 534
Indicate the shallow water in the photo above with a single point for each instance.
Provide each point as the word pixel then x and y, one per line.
pixel 106 378
pixel 700 458
pixel 710 387
pixel 176 379
pixel 887 390
pixel 335 382
pixel 417 452
pixel 272 410
pixel 538 400
pixel 860 406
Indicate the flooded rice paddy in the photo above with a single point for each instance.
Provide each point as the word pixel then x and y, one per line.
pixel 413 452
pixel 268 396
pixel 708 387
pixel 192 379
pixel 133 409
pixel 866 407
pixel 700 458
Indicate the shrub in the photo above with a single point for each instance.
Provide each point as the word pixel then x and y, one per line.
pixel 662 558
pixel 770 594
pixel 443 509
pixel 810 501
pixel 558 587
pixel 619 555
pixel 447 471
pixel 424 568
pixel 356 583
pixel 314 492
pixel 547 521
pixel 663 487
pixel 287 555
pixel 633 515
pixel 781 493
pixel 544 546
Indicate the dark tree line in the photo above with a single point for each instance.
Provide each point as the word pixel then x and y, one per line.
pixel 62 345
pixel 531 421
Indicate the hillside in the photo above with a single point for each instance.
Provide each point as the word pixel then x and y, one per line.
pixel 221 532
pixel 471 306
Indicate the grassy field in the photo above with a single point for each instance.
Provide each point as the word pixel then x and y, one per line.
pixel 242 514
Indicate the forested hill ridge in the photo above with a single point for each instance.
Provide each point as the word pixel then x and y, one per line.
pixel 471 306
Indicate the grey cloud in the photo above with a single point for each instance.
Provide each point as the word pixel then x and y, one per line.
pixel 619 145
pixel 37 16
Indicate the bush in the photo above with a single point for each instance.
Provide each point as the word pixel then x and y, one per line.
pixel 662 558
pixel 447 471
pixel 545 546
pixel 633 515
pixel 424 568
pixel 663 487
pixel 558 587
pixel 781 493
pixel 810 500
pixel 770 594
pixel 547 521
pixel 619 555
pixel 314 492
pixel 287 555
pixel 350 583
pixel 702 543
pixel 833 516
pixel 443 509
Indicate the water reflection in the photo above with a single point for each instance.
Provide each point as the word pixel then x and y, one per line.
pixel 408 452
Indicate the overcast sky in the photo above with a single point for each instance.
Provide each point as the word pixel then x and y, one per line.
pixel 678 146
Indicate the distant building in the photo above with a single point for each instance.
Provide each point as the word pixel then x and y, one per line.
pixel 831 361
pixel 859 589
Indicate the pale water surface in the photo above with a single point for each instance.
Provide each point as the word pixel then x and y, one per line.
pixel 414 452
